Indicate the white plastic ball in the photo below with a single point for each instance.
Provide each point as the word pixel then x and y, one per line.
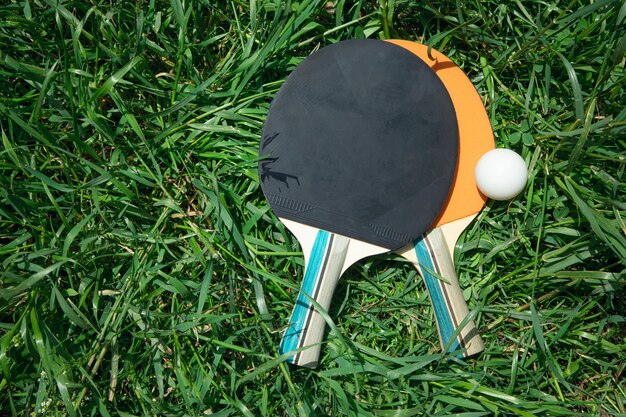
pixel 501 174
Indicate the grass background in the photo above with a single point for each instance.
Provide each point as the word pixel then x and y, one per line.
pixel 142 272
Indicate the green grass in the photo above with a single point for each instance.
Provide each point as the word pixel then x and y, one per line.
pixel 142 272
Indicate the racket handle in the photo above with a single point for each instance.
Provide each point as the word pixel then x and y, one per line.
pixel 435 265
pixel 321 275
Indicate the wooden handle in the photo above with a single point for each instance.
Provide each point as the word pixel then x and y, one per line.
pixel 435 265
pixel 321 275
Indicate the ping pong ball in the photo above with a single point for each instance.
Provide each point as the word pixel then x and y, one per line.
pixel 501 174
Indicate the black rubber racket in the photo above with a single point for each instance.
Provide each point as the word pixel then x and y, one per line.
pixel 358 155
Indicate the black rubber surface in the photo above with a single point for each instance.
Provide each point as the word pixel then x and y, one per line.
pixel 361 140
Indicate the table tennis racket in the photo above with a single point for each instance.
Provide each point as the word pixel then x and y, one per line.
pixel 432 254
pixel 358 154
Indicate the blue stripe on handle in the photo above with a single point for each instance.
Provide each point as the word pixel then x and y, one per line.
pixel 294 332
pixel 440 307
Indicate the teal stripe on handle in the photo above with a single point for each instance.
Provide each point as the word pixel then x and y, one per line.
pixel 446 326
pixel 294 332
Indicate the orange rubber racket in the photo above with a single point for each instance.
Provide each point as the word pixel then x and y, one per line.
pixel 432 253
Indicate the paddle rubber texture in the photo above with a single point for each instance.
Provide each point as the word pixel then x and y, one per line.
pixel 475 133
pixel 361 140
